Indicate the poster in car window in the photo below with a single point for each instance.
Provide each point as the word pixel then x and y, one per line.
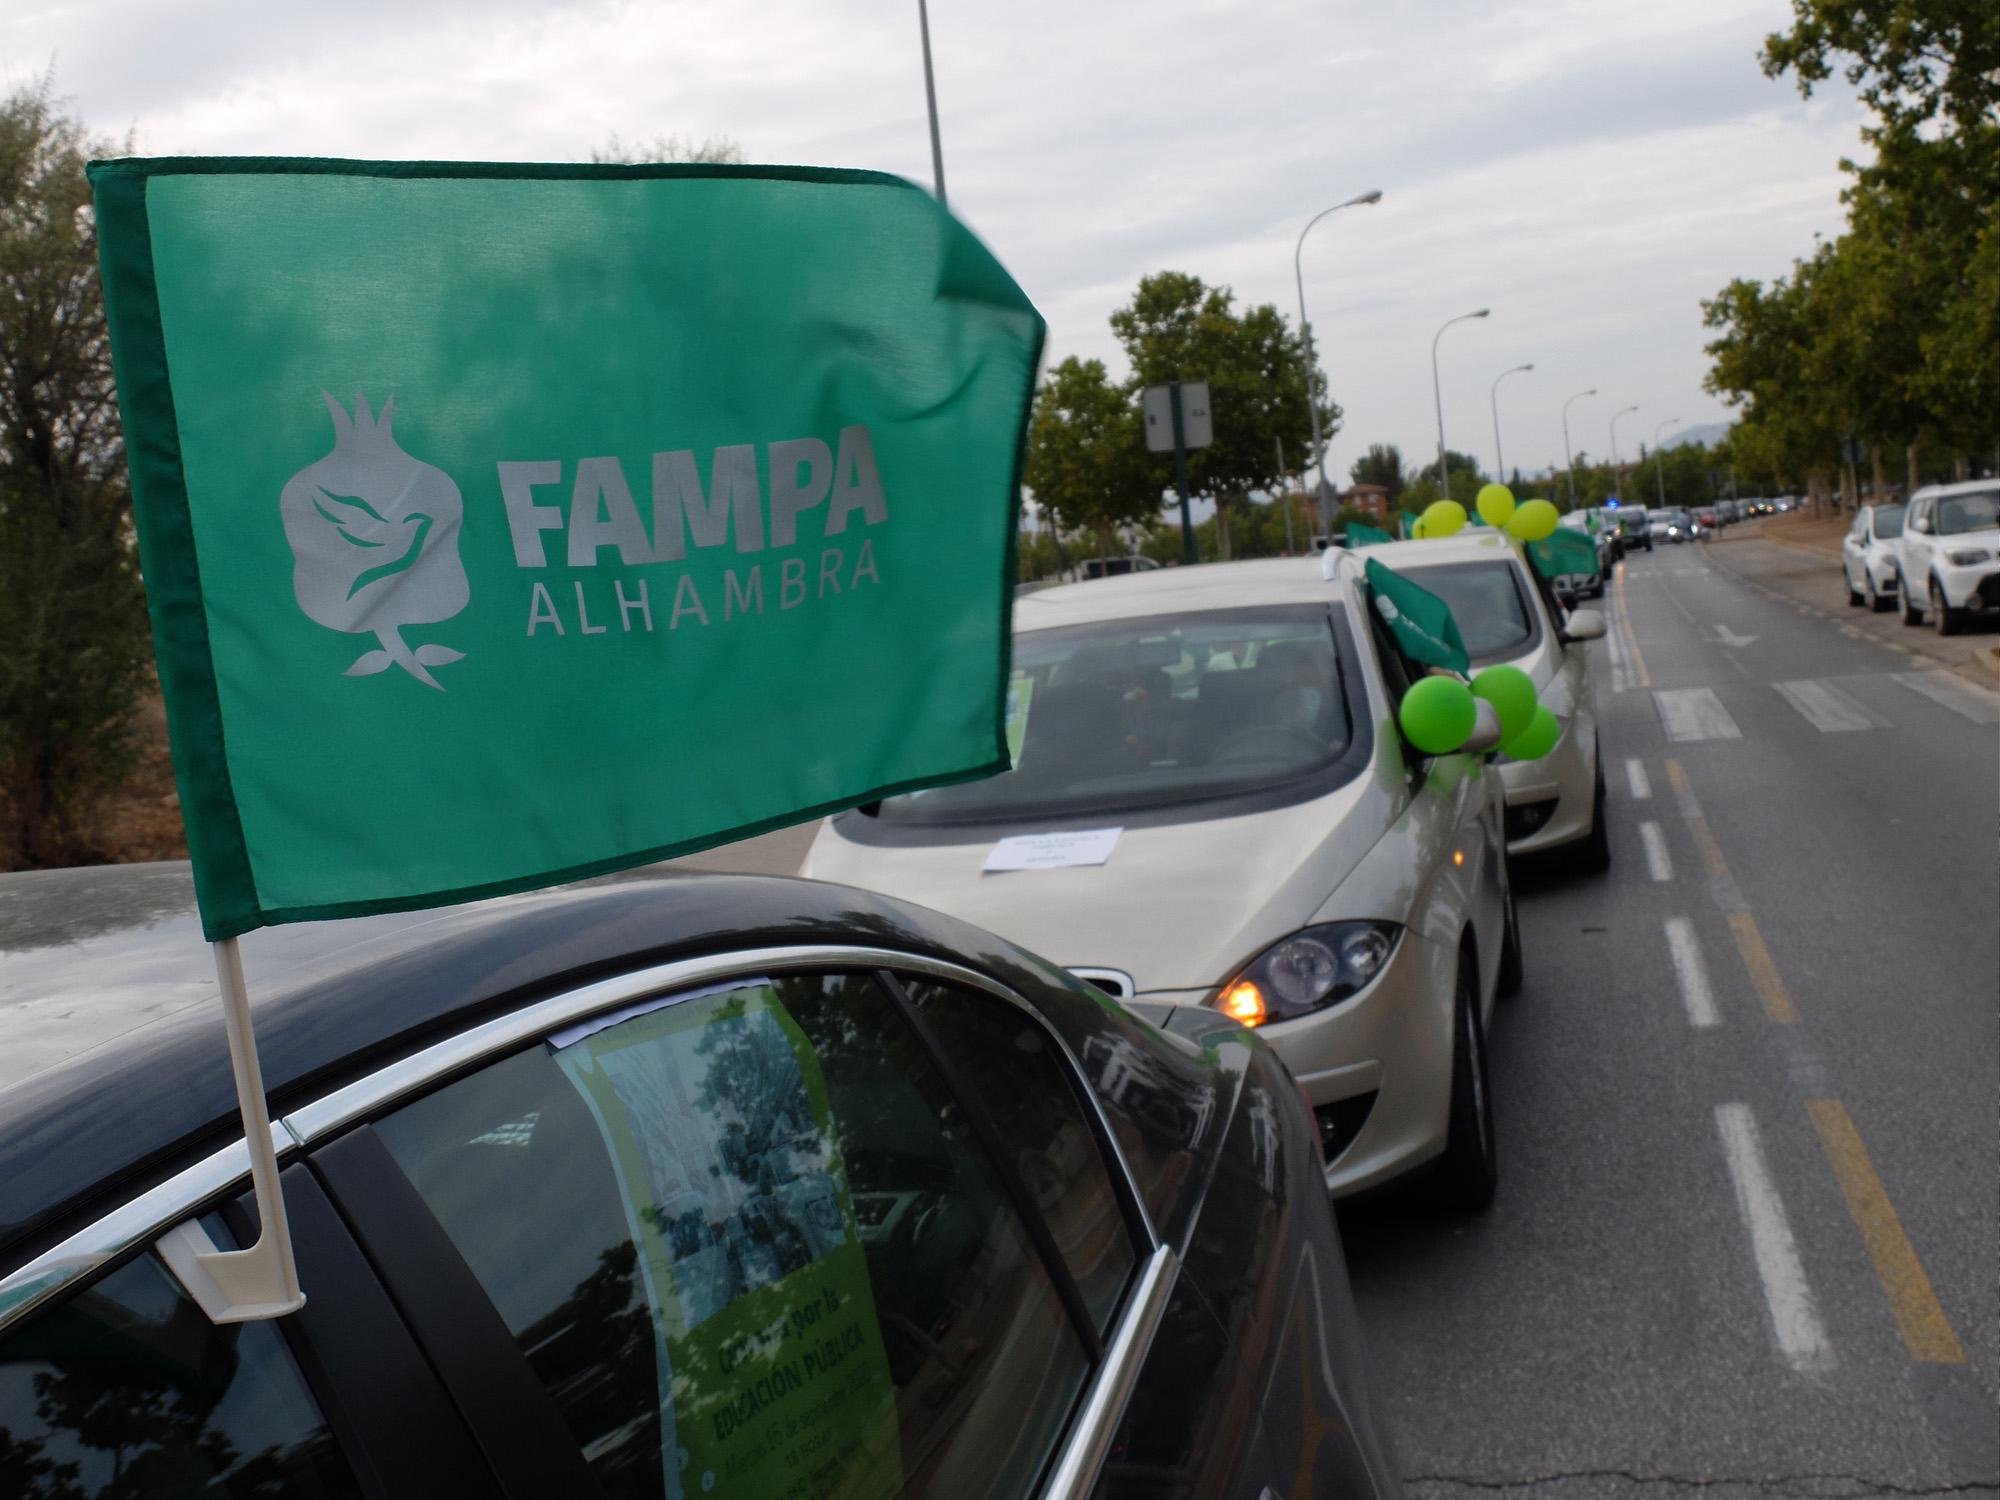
pixel 773 1376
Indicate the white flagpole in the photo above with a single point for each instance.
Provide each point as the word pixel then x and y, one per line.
pixel 238 1286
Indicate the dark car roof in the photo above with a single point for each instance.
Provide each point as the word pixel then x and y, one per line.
pixel 114 1070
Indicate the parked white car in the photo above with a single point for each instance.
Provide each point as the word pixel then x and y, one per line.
pixel 1869 554
pixel 1219 810
pixel 1506 613
pixel 1948 562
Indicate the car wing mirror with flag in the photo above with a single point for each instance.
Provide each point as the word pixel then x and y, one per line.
pixel 657 505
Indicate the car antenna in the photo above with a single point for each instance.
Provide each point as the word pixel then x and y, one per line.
pixel 241 1286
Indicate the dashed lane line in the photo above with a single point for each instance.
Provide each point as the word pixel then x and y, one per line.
pixel 1795 1318
pixel 1926 1331
pixel 1659 864
pixel 1635 773
pixel 1691 974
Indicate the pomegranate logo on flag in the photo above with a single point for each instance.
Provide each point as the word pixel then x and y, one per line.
pixel 374 536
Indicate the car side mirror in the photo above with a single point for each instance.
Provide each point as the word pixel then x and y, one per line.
pixel 1485 729
pixel 1584 625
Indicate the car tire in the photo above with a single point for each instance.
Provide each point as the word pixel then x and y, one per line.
pixel 1944 616
pixel 1911 614
pixel 1877 602
pixel 1593 853
pixel 1468 1172
pixel 1512 969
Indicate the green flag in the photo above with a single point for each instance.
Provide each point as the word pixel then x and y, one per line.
pixel 1360 535
pixel 1563 552
pixel 1421 622
pixel 510 524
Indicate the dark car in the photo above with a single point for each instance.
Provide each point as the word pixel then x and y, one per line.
pixel 654 1187
pixel 1635 528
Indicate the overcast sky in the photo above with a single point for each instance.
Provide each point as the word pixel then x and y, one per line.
pixel 1589 170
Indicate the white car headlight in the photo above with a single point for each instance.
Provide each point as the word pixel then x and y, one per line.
pixel 1308 971
pixel 1965 557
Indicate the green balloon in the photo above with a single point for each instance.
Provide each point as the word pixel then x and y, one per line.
pixel 1443 517
pixel 1533 521
pixel 1512 694
pixel 1537 740
pixel 1438 714
pixel 1495 503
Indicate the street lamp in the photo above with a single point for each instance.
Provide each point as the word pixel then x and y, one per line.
pixel 930 98
pixel 1615 464
pixel 1569 453
pixel 1659 465
pixel 1373 195
pixel 1500 473
pixel 1437 392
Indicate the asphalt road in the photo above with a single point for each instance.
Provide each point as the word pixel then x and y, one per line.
pixel 1747 1240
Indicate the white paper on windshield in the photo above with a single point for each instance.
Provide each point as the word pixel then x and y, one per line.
pixel 1052 851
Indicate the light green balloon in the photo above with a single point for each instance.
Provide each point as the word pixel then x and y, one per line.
pixel 1437 715
pixel 1443 517
pixel 1512 694
pixel 1495 503
pixel 1537 740
pixel 1533 521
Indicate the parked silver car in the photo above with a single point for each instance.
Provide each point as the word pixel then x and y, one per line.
pixel 1211 805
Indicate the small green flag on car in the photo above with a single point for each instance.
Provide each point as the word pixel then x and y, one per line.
pixel 1563 552
pixel 505 525
pixel 1360 535
pixel 1421 622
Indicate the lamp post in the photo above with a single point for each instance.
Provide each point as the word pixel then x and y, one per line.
pixel 1659 464
pixel 1616 466
pixel 1437 393
pixel 1373 195
pixel 930 98
pixel 1500 473
pixel 1569 453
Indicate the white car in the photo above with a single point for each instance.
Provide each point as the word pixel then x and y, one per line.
pixel 1868 556
pixel 1211 805
pixel 1506 613
pixel 1949 554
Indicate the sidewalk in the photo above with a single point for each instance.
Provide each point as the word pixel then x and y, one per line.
pixel 1799 558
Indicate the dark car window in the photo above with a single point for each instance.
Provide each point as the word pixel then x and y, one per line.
pixel 127 1389
pixel 1978 510
pixel 1026 1089
pixel 1164 711
pixel 1888 522
pixel 749 1244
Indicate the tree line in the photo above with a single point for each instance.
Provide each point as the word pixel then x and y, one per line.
pixel 1881 348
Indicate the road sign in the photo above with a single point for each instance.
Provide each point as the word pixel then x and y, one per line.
pixel 1197 429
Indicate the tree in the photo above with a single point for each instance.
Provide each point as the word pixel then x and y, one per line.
pixel 72 613
pixel 1382 464
pixel 667 148
pixel 1087 456
pixel 1176 327
pixel 1913 60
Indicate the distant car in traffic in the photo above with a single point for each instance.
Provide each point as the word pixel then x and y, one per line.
pixel 709 1184
pixel 1674 526
pixel 1869 556
pixel 1115 567
pixel 1209 761
pixel 1574 586
pixel 1635 527
pixel 1508 614
pixel 1948 557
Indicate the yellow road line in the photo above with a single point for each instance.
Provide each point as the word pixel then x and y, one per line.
pixel 1711 851
pixel 1676 777
pixel 1763 973
pixel 1632 650
pixel 1926 1331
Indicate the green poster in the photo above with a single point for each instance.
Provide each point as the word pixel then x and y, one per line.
pixel 1360 535
pixel 1562 553
pixel 1421 622
pixel 509 524
pixel 773 1376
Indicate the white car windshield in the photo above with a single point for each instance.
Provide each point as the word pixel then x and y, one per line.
pixel 1978 511
pixel 1888 522
pixel 1486 600
pixel 1157 711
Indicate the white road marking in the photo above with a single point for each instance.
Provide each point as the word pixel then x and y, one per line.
pixel 1724 636
pixel 1694 714
pixel 1691 974
pixel 1658 863
pixel 1966 699
pixel 1794 1319
pixel 1826 707
pixel 1635 772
